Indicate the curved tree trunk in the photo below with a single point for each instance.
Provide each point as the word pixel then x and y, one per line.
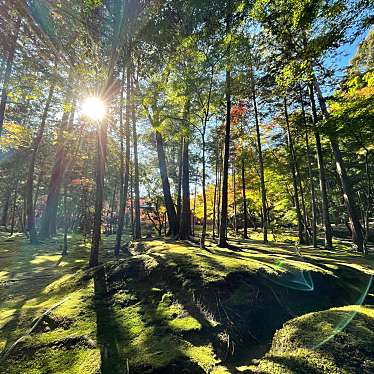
pixel 348 195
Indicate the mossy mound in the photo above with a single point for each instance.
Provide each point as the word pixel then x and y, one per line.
pixel 337 340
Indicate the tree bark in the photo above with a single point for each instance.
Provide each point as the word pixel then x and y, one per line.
pixel 185 222
pixel 99 196
pixel 124 166
pixel 179 192
pixel 322 175
pixel 222 242
pixel 48 220
pixel 30 212
pixel 215 195
pixel 310 173
pixel 294 178
pixel 65 245
pixel 14 208
pixel 4 214
pixel 137 223
pixel 234 197
pixel 168 200
pixel 244 196
pixel 261 162
pixel 348 195
pixel 8 72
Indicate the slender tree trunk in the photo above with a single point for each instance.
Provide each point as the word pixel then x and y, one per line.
pixel 261 162
pixel 222 242
pixel 179 193
pixel 205 215
pixel 14 208
pixel 99 196
pixel 185 223
pixel 348 195
pixel 30 212
pixel 168 200
pixel 8 72
pixel 310 173
pixel 137 223
pixel 65 246
pixel 193 210
pixel 234 196
pixel 244 196
pixel 215 194
pixel 294 177
pixel 125 168
pixel 322 175
pixel 219 191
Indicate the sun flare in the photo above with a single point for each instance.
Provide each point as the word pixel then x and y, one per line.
pixel 93 108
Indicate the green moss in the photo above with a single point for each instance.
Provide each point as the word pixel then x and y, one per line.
pixel 204 356
pixel 337 340
pixel 62 361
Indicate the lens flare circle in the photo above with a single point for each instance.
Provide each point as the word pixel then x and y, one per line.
pixel 93 108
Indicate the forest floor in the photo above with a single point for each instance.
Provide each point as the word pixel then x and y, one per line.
pixel 169 307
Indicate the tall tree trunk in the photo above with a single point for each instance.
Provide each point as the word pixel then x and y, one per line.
pixel 261 162
pixel 222 242
pixel 215 192
pixel 179 192
pixel 65 245
pixel 244 196
pixel 99 196
pixel 137 223
pixel 348 195
pixel 30 212
pixel 294 177
pixel 310 174
pixel 321 170
pixel 14 208
pixel 125 166
pixel 168 200
pixel 4 214
pixel 205 215
pixel 234 197
pixel 219 191
pixel 48 220
pixel 8 72
pixel 185 223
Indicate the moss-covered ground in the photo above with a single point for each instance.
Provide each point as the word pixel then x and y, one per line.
pixel 169 307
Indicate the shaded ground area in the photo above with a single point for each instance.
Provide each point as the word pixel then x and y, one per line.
pixel 168 307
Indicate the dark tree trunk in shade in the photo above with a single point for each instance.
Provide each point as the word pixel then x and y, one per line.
pixel 300 227
pixel 4 213
pixel 179 192
pixel 215 195
pixel 125 165
pixel 222 242
pixel 244 196
pixel 310 174
pixel 29 188
pixel 8 72
pixel 65 245
pixel 348 193
pixel 15 195
pixel 99 195
pixel 48 220
pixel 185 222
pixel 322 174
pixel 168 200
pixel 137 223
pixel 234 196
pixel 261 164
